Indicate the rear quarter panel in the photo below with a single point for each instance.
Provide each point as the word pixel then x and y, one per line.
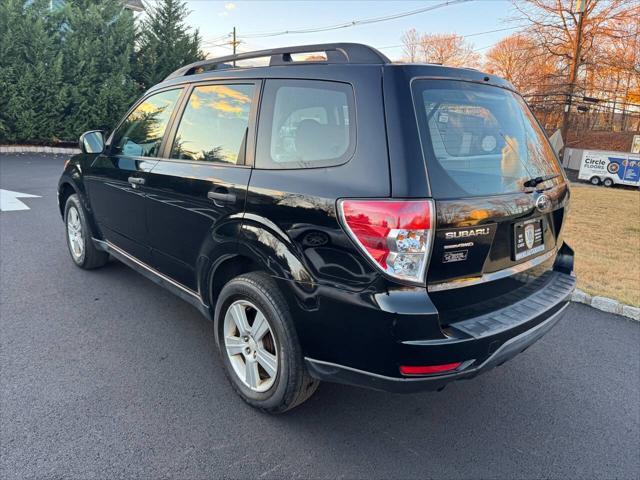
pixel 290 215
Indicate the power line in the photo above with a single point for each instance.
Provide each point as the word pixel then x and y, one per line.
pixel 354 23
pixel 462 36
pixel 471 35
pixel 216 39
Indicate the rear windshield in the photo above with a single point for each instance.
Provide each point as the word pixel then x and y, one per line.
pixel 480 140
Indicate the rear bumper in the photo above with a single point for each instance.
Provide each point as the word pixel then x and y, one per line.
pixel 480 343
pixel 350 376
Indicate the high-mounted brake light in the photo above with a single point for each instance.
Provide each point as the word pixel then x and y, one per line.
pixel 395 234
pixel 428 369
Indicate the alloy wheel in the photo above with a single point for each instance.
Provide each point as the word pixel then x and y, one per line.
pixel 250 345
pixel 74 233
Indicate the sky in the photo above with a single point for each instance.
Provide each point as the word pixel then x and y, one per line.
pixel 216 19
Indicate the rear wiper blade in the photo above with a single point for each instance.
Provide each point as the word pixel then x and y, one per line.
pixel 534 182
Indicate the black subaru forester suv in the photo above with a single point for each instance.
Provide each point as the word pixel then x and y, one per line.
pixel 337 216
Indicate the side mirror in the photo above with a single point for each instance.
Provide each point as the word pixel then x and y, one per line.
pixel 92 142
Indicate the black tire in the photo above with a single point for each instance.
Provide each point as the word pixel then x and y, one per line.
pixel 90 257
pixel 607 182
pixel 594 180
pixel 292 385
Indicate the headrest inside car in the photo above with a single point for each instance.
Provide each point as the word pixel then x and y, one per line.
pixel 315 141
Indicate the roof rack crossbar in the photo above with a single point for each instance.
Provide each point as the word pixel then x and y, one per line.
pixel 352 53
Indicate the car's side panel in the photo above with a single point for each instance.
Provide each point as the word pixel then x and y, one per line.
pixel 408 172
pixel 190 221
pixel 297 207
pixel 115 179
pixel 119 207
pixel 186 228
pixel 296 229
pixel 72 176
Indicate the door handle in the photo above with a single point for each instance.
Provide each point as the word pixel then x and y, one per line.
pixel 136 181
pixel 221 196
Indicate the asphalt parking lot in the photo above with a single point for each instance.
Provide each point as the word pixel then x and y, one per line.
pixel 106 375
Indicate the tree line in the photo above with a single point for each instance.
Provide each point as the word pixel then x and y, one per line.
pixel 80 64
pixel 538 59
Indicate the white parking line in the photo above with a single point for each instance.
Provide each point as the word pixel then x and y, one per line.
pixel 9 200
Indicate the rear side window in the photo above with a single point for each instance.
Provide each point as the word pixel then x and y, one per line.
pixel 214 125
pixel 140 135
pixel 480 139
pixel 305 124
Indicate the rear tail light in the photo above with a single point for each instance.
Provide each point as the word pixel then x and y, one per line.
pixel 395 234
pixel 428 369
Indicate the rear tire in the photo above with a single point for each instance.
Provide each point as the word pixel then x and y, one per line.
pixel 608 182
pixel 594 180
pixel 280 380
pixel 79 237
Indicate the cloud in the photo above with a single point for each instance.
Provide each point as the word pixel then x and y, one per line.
pixel 229 5
pixel 195 101
pixel 225 107
pixel 226 92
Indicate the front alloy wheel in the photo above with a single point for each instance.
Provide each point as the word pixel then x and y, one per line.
pixel 79 234
pixel 74 233
pixel 250 346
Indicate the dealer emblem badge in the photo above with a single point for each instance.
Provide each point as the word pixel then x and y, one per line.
pixel 529 235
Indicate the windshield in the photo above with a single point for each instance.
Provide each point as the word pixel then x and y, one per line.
pixel 480 140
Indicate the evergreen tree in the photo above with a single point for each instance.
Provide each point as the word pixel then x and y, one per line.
pixel 63 71
pixel 74 68
pixel 165 43
pixel 31 96
pixel 97 43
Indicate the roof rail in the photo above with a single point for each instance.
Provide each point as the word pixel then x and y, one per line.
pixel 336 53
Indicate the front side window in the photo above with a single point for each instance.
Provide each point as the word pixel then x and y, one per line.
pixel 214 125
pixel 480 139
pixel 305 123
pixel 140 135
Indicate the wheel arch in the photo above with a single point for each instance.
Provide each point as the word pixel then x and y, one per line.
pixel 269 246
pixel 65 190
pixel 225 270
pixel 259 248
pixel 71 183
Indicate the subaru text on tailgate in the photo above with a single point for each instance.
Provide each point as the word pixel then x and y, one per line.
pixel 337 216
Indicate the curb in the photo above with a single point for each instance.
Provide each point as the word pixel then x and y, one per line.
pixel 37 149
pixel 605 304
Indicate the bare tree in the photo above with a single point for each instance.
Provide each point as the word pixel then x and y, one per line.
pixel 552 23
pixel 516 59
pixel 448 49
pixel 410 44
pixel 605 35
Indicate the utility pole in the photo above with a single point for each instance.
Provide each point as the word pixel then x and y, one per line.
pixel 234 43
pixel 581 8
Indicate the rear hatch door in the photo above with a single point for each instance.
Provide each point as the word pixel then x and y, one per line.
pixel 499 189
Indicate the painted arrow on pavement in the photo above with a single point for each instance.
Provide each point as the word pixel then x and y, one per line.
pixel 9 200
